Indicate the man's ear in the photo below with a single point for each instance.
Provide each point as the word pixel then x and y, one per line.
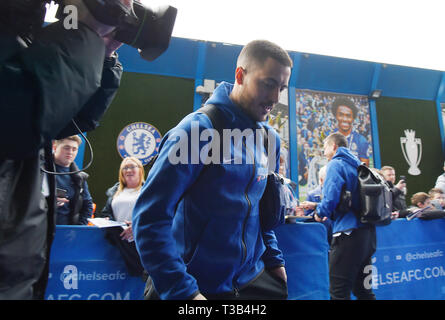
pixel 239 75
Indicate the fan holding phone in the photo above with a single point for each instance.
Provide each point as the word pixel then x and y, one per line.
pixel 398 190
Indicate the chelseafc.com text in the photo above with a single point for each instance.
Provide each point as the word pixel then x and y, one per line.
pixel 374 279
pixel 72 277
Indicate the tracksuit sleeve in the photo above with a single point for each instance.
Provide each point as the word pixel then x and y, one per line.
pixel 332 188
pixel 153 218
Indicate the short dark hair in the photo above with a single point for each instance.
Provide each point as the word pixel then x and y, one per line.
pixel 343 101
pixel 338 139
pixel 259 50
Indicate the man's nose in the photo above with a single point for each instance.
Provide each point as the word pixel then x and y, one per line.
pixel 274 95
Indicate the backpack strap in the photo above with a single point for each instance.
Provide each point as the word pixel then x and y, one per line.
pixel 215 115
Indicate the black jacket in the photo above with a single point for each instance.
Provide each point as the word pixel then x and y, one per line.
pixel 59 77
pixel 81 204
pixel 398 198
pixel 107 211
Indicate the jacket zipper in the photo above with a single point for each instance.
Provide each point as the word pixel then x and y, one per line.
pixel 249 203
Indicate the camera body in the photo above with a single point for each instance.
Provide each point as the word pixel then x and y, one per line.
pixel 146 29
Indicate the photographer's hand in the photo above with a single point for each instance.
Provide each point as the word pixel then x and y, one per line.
pixel 111 45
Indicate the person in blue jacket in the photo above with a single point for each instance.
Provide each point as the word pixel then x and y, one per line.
pixel 353 242
pixel 197 226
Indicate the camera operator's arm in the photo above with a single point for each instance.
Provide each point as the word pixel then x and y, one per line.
pixel 46 85
pixel 88 118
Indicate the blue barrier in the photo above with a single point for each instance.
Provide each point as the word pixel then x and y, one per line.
pixel 84 266
pixel 409 263
pixel 410 260
pixel 305 249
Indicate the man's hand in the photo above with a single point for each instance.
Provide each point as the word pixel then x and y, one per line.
pixel 199 297
pixel 308 205
pixel 394 215
pixel 111 45
pixel 61 201
pixel 318 219
pixel 279 272
pixel 127 234
pixel 299 212
pixel 401 185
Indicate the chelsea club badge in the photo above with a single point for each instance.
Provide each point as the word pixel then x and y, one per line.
pixel 140 140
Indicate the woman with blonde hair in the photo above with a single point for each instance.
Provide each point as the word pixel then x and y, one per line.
pixel 119 207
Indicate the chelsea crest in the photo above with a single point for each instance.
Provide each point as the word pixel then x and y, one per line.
pixel 140 140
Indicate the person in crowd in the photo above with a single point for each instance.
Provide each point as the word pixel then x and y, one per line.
pixel 421 200
pixel 77 206
pixel 197 227
pixel 398 190
pixel 422 208
pixel 314 196
pixel 353 242
pixel 437 198
pixel 291 188
pixel 39 69
pixel 440 182
pixel 345 112
pixel 119 207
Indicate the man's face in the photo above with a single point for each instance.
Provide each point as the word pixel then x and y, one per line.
pixel 261 86
pixel 329 149
pixel 345 118
pixel 65 152
pixel 389 175
pixel 425 204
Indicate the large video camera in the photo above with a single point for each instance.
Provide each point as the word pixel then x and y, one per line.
pixel 146 29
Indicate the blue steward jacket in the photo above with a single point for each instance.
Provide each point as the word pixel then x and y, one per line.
pixel 341 170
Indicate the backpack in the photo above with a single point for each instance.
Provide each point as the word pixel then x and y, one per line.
pixel 375 197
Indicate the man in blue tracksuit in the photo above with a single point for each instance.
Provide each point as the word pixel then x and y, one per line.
pixel 353 242
pixel 196 226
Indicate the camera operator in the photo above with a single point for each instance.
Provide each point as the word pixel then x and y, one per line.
pixel 48 77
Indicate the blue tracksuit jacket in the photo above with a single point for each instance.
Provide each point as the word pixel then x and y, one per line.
pixel 197 227
pixel 342 169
